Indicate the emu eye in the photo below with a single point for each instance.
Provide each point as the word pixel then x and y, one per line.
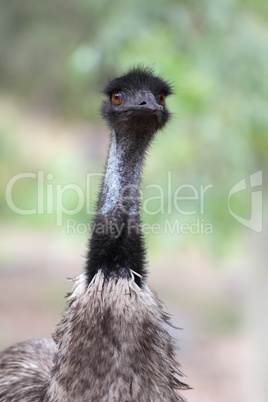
pixel 162 98
pixel 117 97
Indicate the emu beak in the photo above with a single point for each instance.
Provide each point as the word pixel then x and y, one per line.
pixel 144 102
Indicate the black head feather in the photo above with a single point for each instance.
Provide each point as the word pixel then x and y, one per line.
pixel 140 108
pixel 139 78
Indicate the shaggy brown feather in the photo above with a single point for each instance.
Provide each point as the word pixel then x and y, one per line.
pixel 113 335
pixel 25 370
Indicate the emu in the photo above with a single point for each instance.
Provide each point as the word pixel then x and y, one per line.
pixel 112 344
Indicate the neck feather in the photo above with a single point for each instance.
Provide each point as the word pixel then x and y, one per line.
pixel 116 245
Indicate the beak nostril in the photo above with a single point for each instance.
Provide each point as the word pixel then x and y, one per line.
pixel 143 103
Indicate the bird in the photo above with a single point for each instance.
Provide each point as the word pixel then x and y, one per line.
pixel 112 344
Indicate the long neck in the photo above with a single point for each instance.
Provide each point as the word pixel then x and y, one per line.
pixel 120 189
pixel 116 245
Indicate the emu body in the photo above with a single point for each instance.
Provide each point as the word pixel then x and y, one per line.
pixel 112 344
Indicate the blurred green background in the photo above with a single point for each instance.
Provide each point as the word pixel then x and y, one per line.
pixel 211 270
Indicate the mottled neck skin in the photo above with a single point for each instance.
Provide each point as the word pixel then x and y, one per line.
pixel 116 245
pixel 120 189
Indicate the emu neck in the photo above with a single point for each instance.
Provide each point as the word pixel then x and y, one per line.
pixel 120 189
pixel 116 245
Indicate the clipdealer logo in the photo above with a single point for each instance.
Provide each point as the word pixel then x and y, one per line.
pixel 254 222
pixel 186 200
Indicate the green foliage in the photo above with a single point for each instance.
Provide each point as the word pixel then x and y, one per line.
pixel 57 56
